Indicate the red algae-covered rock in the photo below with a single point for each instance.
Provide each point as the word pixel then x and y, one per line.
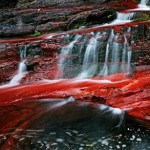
pixel 9 58
pixel 134 97
pixel 42 51
pixel 124 5
pixel 132 94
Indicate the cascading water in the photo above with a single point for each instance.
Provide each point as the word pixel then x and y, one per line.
pixel 22 69
pixel 115 56
pixel 124 54
pixel 66 53
pixel 117 53
pixel 123 18
pixel 23 52
pixel 90 60
pixel 143 5
pixel 20 74
pixel 129 61
pixel 104 70
pixel 144 2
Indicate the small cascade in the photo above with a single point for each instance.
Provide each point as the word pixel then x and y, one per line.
pixel 23 52
pixel 90 60
pixel 144 2
pixel 115 56
pixel 100 56
pixel 129 61
pixel 66 53
pixel 104 70
pixel 22 68
pixel 143 5
pixel 123 18
pixel 20 74
pixel 124 54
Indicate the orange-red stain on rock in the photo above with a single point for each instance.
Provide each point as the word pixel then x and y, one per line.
pixel 130 94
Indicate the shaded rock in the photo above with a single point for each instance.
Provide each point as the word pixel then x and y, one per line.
pixel 47 16
pixel 8 4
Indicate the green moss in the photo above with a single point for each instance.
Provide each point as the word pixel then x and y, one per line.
pixel 142 17
pixel 37 33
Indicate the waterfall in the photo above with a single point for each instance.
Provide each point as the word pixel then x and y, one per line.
pixel 115 58
pixel 23 52
pixel 143 5
pixel 20 74
pixel 124 54
pixel 144 2
pixel 22 68
pixel 104 70
pixel 67 52
pixel 90 60
pixel 129 61
pixel 123 17
pixel 116 53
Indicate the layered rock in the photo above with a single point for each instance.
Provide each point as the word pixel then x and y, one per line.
pixel 128 91
pixel 42 53
pixel 45 16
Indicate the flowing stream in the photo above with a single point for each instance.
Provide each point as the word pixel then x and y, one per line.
pixel 22 68
pixel 73 124
pixel 118 56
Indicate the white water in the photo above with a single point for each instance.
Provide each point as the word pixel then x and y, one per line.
pixel 123 18
pixel 90 60
pixel 67 52
pixel 129 61
pixel 143 5
pixel 23 52
pixel 20 74
pixel 115 58
pixel 144 2
pixel 117 54
pixel 22 68
pixel 104 71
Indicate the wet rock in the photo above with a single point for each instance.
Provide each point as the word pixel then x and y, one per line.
pixel 46 16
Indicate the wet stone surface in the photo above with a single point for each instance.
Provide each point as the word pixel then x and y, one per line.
pixel 60 131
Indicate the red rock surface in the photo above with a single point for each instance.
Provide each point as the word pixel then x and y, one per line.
pixel 46 65
pixel 130 94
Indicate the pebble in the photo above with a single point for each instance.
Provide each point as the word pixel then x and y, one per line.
pixel 139 139
pixel 124 145
pixel 59 140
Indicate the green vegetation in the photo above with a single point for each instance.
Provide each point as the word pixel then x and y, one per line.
pixel 142 17
pixel 37 33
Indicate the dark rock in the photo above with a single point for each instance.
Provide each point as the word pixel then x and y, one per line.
pixel 8 3
pixel 47 16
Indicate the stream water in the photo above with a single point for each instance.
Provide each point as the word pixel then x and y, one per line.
pixel 39 123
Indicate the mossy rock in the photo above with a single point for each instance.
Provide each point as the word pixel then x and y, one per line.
pixel 142 17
